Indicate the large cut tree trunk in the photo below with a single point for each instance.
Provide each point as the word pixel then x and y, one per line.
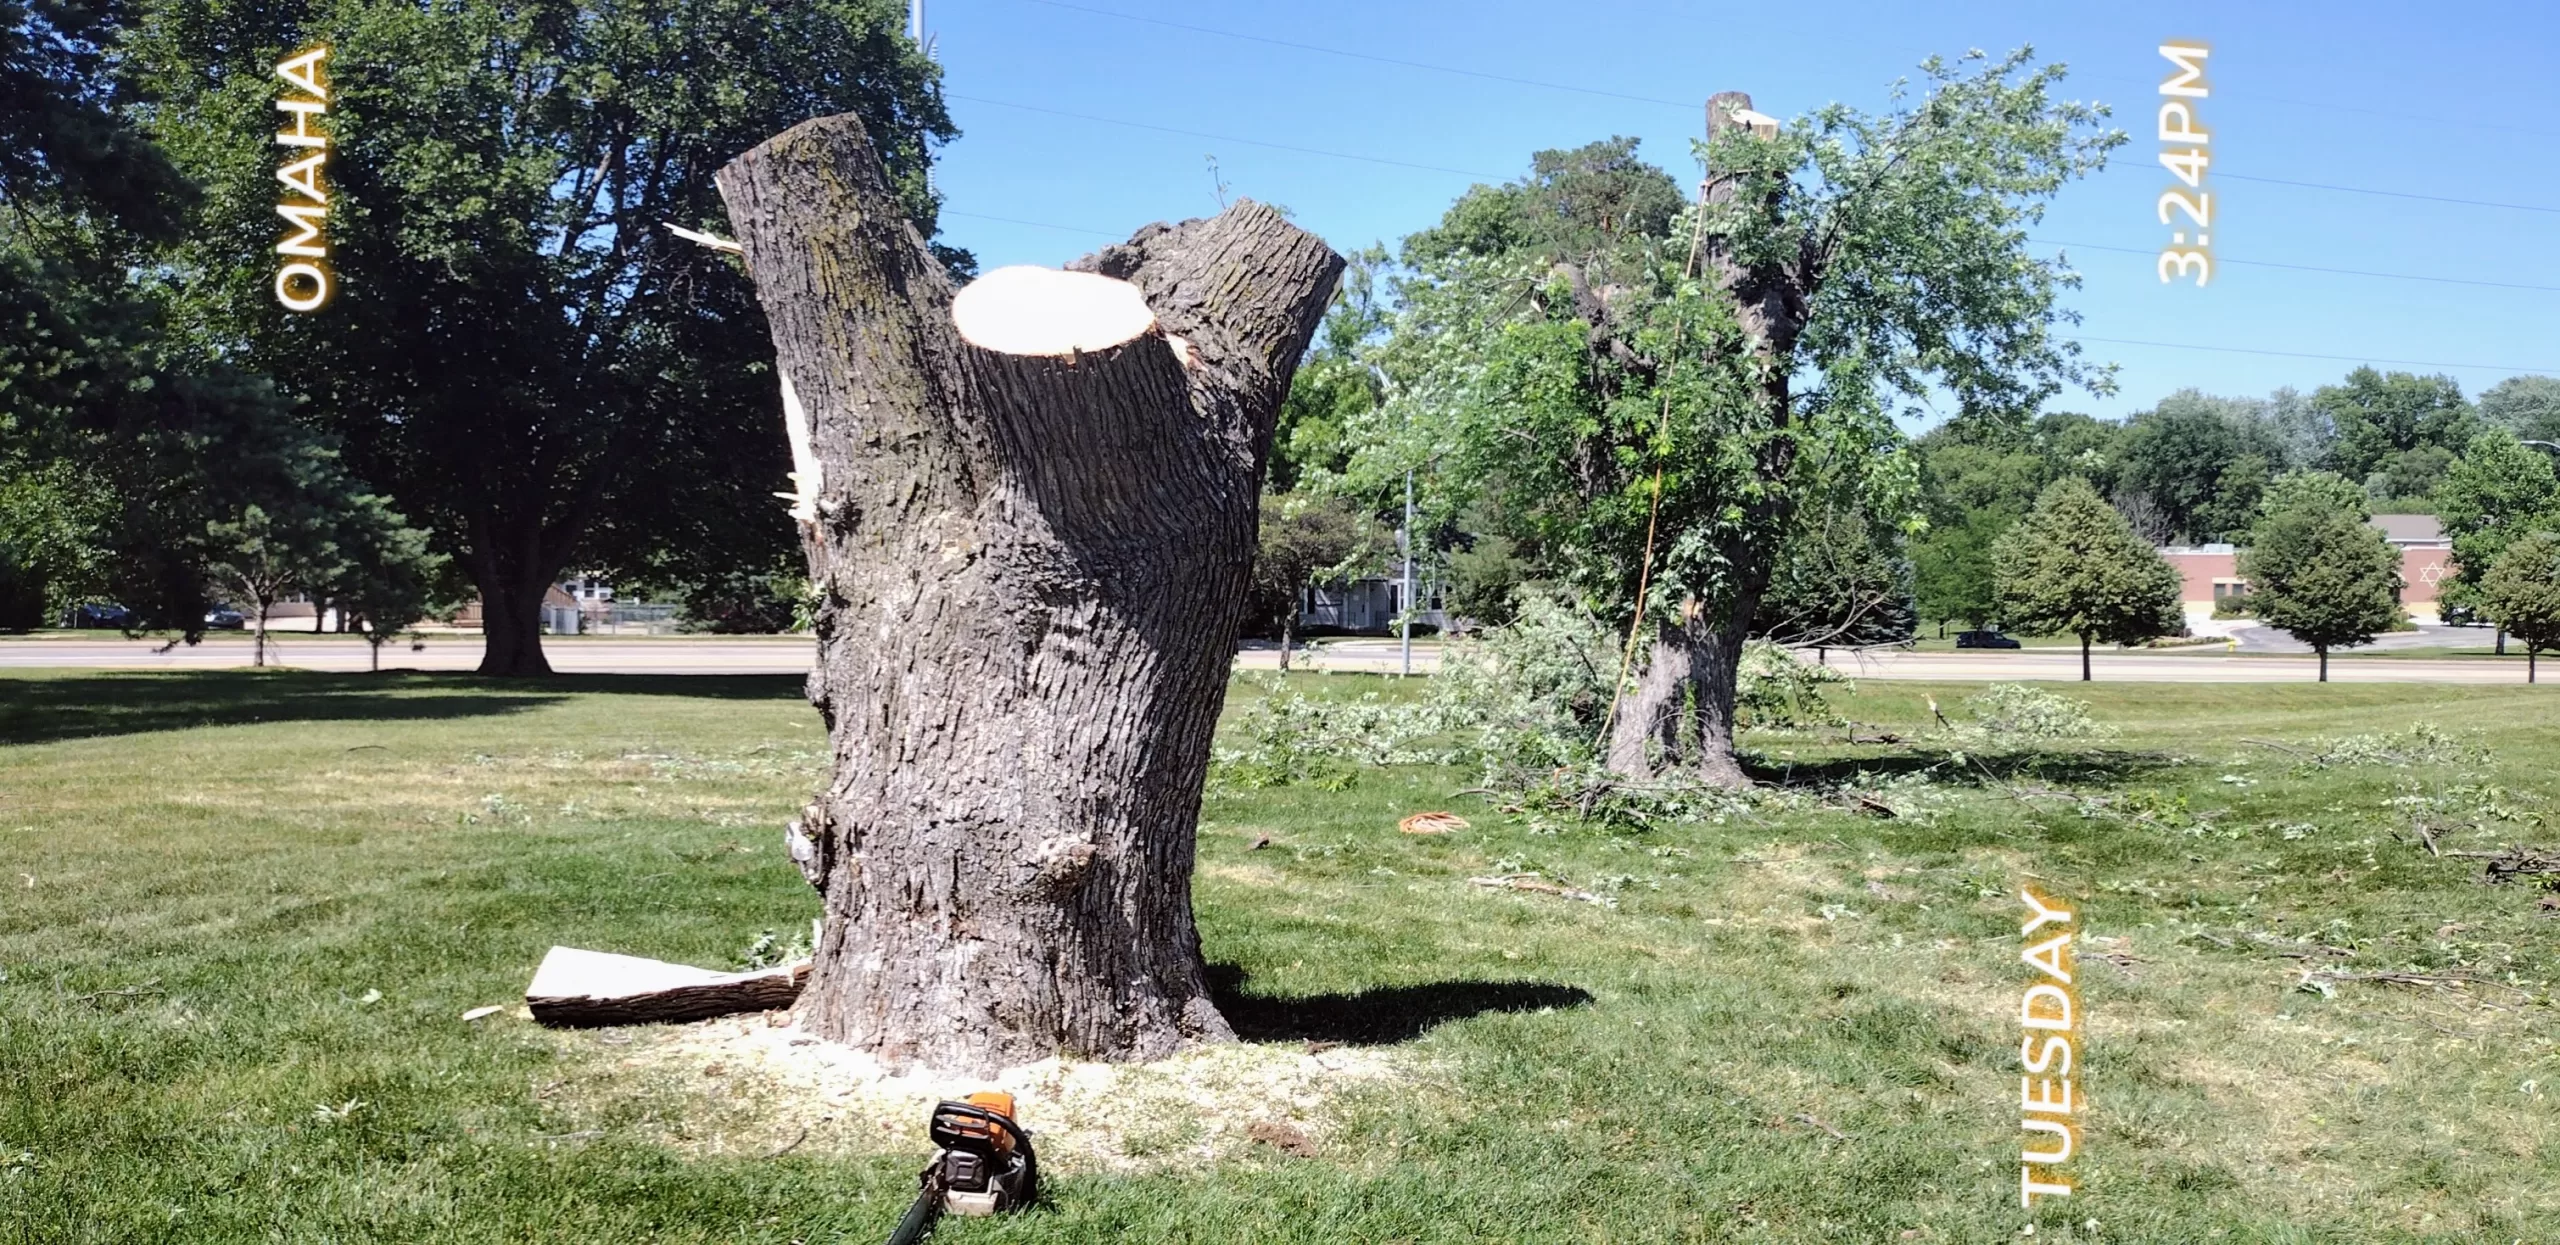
pixel 1031 521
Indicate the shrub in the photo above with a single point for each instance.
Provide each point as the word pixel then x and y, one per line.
pixel 2014 712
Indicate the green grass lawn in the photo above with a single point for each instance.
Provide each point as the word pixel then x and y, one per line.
pixel 233 904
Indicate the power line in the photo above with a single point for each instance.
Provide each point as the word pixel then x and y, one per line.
pixel 1226 138
pixel 2297 354
pixel 1684 105
pixel 2113 341
pixel 2354 190
pixel 2344 272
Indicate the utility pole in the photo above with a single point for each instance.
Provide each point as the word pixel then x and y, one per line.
pixel 1405 537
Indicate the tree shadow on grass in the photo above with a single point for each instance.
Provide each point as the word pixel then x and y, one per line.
pixel 2082 767
pixel 1375 1017
pixel 49 708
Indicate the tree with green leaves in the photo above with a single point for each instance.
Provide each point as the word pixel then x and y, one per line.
pixel 2202 461
pixel 2499 491
pixel 1652 404
pixel 2395 432
pixel 261 556
pixel 2521 594
pixel 389 576
pixel 2074 566
pixel 521 355
pixel 1843 580
pixel 125 438
pixel 2528 406
pixel 1305 537
pixel 2317 569
pixel 1334 386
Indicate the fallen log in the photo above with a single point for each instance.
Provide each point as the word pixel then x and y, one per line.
pixel 575 988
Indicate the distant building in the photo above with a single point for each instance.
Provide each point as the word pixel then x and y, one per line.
pixel 2211 572
pixel 1369 604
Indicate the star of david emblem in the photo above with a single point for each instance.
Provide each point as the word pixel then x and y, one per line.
pixel 2433 574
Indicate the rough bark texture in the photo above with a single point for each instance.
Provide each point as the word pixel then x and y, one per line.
pixel 1032 574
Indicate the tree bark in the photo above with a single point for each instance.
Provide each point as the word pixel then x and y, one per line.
pixel 2084 658
pixel 2529 655
pixel 511 632
pixel 2323 650
pixel 1032 571
pixel 1646 734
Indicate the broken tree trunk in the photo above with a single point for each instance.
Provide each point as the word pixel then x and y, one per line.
pixel 1030 528
pixel 1692 669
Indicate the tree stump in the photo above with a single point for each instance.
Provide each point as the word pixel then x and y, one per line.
pixel 1030 528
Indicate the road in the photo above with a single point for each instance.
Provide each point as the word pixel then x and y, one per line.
pixel 791 655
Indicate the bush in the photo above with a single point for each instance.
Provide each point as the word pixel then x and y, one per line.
pixel 2236 605
pixel 2007 713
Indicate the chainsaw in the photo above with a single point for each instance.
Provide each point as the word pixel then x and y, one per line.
pixel 982 1164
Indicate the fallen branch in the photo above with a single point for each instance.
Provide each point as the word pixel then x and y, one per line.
pixel 125 992
pixel 1804 1118
pixel 791 1145
pixel 1536 884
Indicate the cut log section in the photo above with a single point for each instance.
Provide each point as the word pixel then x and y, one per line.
pixel 1049 312
pixel 578 988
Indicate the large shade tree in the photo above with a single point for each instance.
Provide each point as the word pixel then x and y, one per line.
pixel 1653 397
pixel 519 353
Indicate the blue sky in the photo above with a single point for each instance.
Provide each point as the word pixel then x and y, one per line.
pixel 2447 100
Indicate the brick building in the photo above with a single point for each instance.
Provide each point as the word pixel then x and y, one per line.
pixel 2211 572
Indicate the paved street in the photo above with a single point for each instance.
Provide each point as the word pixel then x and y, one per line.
pixel 791 655
pixel 454 651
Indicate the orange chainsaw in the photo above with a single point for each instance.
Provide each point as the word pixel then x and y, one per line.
pixel 982 1164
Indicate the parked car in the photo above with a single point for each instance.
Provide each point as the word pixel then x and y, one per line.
pixel 1983 639
pixel 225 618
pixel 99 614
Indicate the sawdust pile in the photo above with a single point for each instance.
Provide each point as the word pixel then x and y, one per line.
pixel 745 1085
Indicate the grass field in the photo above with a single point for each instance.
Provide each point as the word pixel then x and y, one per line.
pixel 241 914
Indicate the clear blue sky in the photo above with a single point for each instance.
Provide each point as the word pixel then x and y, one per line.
pixel 2450 100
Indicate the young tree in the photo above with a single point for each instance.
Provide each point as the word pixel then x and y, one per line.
pixel 524 358
pixel 1030 525
pixel 2317 570
pixel 1304 537
pixel 2500 490
pixel 2074 566
pixel 2521 593
pixel 388 577
pixel 1652 406
pixel 262 555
